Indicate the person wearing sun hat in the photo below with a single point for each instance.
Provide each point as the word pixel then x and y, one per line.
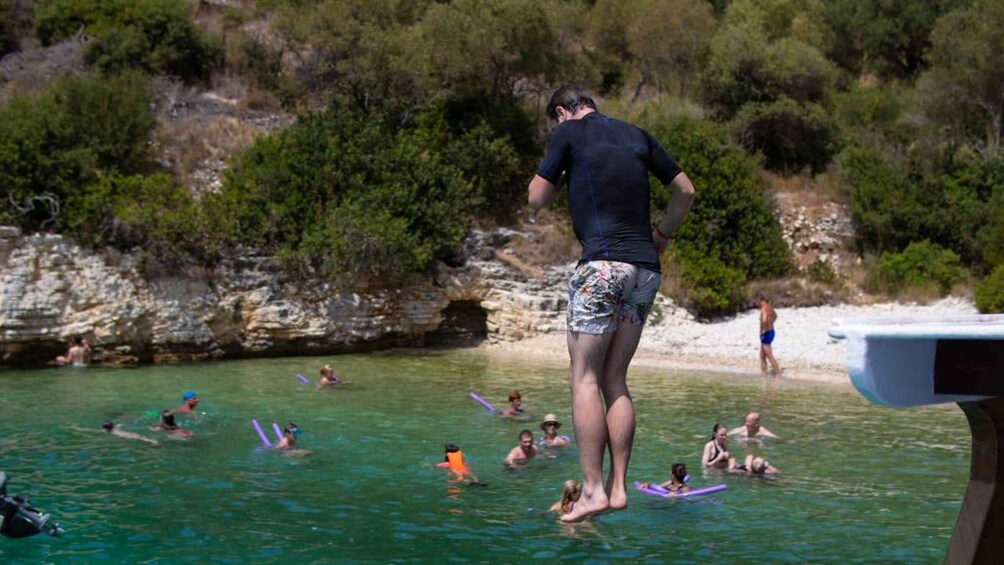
pixel 189 400
pixel 550 425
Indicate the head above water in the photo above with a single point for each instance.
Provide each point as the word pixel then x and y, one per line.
pixel 291 430
pixel 167 420
pixel 679 471
pixel 719 431
pixel 515 395
pixel 450 448
pixel 758 465
pixel 108 425
pixel 570 97
pixel 753 421
pixel 190 397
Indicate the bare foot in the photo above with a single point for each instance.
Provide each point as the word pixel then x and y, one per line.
pixel 587 508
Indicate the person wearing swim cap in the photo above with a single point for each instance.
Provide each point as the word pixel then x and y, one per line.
pixel 515 407
pixel 189 400
pixel 550 425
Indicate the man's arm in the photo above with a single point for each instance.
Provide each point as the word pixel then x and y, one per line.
pixel 765 432
pixel 679 204
pixel 764 320
pixel 738 430
pixel 542 192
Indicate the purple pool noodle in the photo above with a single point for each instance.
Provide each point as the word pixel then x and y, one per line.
pixel 483 402
pixel 654 490
pixel 302 378
pixel 261 434
pixel 278 431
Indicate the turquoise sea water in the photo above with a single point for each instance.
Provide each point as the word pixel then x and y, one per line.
pixel 860 483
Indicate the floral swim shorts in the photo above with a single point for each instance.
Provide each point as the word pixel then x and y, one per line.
pixel 604 294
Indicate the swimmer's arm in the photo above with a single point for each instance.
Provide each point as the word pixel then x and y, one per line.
pixel 738 430
pixel 706 460
pixel 765 432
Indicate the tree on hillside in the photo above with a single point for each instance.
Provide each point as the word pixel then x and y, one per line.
pixel 964 89
pixel 668 40
pixel 890 38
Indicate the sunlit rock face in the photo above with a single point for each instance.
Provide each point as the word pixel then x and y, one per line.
pixel 51 290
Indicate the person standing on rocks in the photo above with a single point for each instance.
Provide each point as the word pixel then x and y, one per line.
pixel 767 318
pixel 607 163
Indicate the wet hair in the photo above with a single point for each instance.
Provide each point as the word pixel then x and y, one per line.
pixel 525 433
pixel 570 492
pixel 167 419
pixel 77 340
pixel 571 97
pixel 450 448
pixel 679 471
pixel 718 426
pixel 291 429
pixel 514 395
pixel 108 425
pixel 758 465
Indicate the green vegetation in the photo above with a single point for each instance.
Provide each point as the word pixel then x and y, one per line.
pixel 922 265
pixel 157 36
pixel 432 120
pixel 989 295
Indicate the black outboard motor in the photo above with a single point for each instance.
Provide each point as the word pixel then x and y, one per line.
pixel 18 519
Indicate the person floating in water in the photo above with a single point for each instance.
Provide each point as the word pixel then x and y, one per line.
pixel 767 318
pixel 167 424
pixel 79 354
pixel 570 493
pixel 757 466
pixel 328 378
pixel 550 425
pixel 515 407
pixel 189 400
pixel 677 480
pixel 716 454
pixel 453 460
pixel 752 428
pixel 114 430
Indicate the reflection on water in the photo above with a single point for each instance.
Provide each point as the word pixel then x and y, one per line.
pixel 860 483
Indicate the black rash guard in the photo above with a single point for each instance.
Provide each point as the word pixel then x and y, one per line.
pixel 608 162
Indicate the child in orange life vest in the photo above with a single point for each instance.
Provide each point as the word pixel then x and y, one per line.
pixel 454 461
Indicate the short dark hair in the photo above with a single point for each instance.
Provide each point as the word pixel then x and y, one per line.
pixel 108 425
pixel 78 339
pixel 570 97
pixel 525 433
pixel 450 448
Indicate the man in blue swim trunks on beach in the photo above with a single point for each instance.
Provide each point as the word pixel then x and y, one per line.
pixel 607 163
pixel 767 318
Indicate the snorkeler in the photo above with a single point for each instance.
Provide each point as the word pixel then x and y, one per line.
pixel 167 424
pixel 570 493
pixel 677 480
pixel 289 435
pixel 114 430
pixel 189 400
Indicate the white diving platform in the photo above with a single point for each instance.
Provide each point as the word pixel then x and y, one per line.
pixel 902 362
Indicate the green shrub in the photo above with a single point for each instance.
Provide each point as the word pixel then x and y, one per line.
pixel 921 265
pixel 712 287
pixel 56 144
pixel 351 192
pixel 789 135
pixel 821 272
pixel 989 294
pixel 151 213
pixel 157 36
pixel 732 217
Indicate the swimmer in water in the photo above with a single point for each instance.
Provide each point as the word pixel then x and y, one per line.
pixel 328 378
pixel 757 466
pixel 167 424
pixel 550 425
pixel 453 460
pixel 79 354
pixel 515 407
pixel 114 430
pixel 570 493
pixel 677 475
pixel 189 400
pixel 716 453
pixel 290 435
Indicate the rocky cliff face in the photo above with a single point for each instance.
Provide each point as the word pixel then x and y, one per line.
pixel 52 289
